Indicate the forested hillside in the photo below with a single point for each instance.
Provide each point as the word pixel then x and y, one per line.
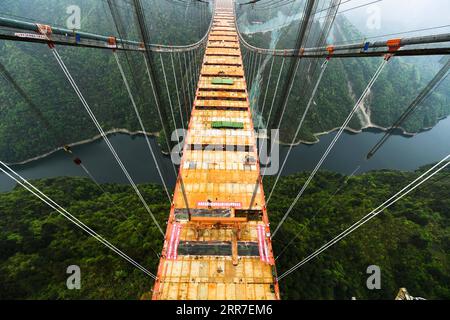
pixel 37 244
pixel 344 81
pixel 95 71
pixel 97 75
pixel 409 241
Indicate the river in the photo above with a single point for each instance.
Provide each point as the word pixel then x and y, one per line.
pixel 399 153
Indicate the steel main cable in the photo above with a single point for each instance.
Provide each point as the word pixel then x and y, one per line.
pixel 394 34
pixel 51 203
pixel 392 200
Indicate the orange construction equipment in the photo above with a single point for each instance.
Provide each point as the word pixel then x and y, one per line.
pixel 217 243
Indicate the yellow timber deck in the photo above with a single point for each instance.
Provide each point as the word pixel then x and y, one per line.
pixel 217 243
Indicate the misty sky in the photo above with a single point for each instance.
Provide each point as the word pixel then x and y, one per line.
pixel 400 15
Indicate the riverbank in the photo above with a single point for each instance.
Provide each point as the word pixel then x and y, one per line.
pixel 86 141
pixel 354 131
pixel 399 153
pixel 402 132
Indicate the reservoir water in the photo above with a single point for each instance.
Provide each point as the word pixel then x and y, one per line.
pixel 399 152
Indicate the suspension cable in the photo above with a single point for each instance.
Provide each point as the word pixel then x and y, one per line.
pixel 399 195
pixel 253 67
pixel 302 36
pixel 313 94
pixel 157 104
pixel 183 88
pixel 249 64
pixel 168 96
pixel 176 89
pixel 47 200
pixel 57 139
pixel 197 69
pixel 103 134
pixel 176 132
pixel 186 77
pixel 336 137
pixel 313 217
pixel 127 86
pixel 191 73
pixel 424 94
pixel 271 107
pixel 276 90
pixel 267 86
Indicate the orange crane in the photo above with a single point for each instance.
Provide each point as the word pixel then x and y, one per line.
pixel 217 243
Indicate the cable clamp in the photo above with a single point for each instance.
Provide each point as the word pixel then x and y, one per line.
pixel 46 30
pixel 301 52
pixel 112 43
pixel 394 44
pixel 388 56
pixel 330 50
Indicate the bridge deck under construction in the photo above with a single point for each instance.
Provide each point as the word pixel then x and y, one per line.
pixel 217 243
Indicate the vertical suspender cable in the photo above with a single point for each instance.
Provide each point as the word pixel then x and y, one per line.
pixel 274 96
pixel 144 33
pixel 313 94
pixel 191 73
pixel 127 86
pixel 157 103
pixel 249 68
pixel 168 96
pixel 176 89
pixel 267 86
pixel 186 98
pixel 191 100
pixel 276 89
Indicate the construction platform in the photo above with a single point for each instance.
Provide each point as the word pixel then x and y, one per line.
pixel 217 243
